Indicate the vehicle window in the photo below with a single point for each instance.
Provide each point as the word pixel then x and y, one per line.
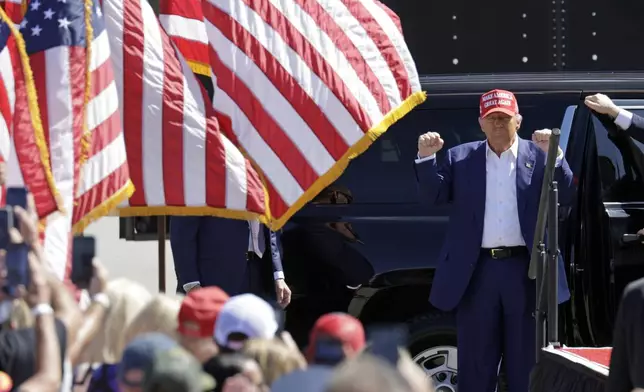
pixel 385 172
pixel 620 159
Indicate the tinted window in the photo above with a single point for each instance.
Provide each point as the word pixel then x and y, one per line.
pixel 385 172
pixel 620 160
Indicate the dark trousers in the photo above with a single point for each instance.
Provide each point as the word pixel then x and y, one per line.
pixel 494 320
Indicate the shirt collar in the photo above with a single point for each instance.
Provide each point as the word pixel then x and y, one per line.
pixel 514 148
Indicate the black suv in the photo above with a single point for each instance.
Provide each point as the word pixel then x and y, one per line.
pixel 367 245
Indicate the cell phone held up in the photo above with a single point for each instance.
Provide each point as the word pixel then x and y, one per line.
pixel 17 263
pixel 83 253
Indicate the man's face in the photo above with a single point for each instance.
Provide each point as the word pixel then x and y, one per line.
pixel 499 127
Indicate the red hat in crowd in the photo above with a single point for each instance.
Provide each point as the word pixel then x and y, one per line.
pixel 342 327
pixel 199 311
pixel 501 101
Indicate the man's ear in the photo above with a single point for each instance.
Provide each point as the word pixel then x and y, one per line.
pixel 481 123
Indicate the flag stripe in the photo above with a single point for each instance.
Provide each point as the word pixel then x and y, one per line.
pixel 132 37
pixel 186 27
pixel 268 129
pixel 300 100
pixel 172 122
pixel 108 187
pixel 385 46
pixel 153 69
pixel 286 185
pixel 183 22
pixel 320 18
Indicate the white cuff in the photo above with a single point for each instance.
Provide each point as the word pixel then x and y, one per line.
pixel 42 309
pixel 624 119
pixel 190 285
pixel 421 160
pixel 277 275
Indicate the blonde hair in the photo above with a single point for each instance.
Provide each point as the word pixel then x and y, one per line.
pixel 21 316
pixel 274 358
pixel 414 375
pixel 127 299
pixel 159 315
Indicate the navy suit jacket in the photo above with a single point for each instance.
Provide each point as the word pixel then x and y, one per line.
pixel 460 181
pixel 213 250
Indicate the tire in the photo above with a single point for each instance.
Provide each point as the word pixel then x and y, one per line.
pixel 432 340
pixel 432 345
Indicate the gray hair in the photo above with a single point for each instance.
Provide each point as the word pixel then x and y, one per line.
pixel 367 374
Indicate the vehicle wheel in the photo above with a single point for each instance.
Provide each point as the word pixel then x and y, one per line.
pixel 432 345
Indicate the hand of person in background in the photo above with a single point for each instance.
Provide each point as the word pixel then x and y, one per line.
pixel 283 293
pixel 602 104
pixel 98 284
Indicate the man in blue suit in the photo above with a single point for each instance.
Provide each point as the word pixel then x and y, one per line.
pixel 211 251
pixel 493 187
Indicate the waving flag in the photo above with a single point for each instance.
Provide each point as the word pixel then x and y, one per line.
pixel 104 178
pixel 307 85
pixel 179 161
pixel 183 22
pixel 22 140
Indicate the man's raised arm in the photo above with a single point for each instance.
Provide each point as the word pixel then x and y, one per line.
pixel 434 182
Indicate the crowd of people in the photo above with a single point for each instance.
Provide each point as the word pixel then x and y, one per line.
pixel 130 340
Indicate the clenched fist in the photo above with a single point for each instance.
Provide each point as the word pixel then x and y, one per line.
pixel 541 138
pixel 429 144
pixel 602 104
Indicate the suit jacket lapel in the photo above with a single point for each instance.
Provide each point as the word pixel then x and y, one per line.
pixel 477 179
pixel 525 168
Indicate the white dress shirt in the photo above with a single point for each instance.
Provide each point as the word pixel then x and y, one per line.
pixel 501 226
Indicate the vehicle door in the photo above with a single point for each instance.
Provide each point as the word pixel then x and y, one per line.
pixel 620 169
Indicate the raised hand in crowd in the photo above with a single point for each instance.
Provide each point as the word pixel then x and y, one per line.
pixel 429 144
pixel 94 314
pixel 37 295
pixel 600 103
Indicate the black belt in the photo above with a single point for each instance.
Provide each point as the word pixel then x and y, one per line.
pixel 504 252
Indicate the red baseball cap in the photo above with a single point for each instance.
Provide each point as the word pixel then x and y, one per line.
pixel 342 327
pixel 501 101
pixel 199 311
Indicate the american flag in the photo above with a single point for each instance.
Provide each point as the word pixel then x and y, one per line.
pixel 179 161
pixel 15 9
pixel 307 85
pixel 105 178
pixel 56 36
pixel 183 22
pixel 22 140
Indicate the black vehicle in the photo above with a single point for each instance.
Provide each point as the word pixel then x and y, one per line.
pixel 367 245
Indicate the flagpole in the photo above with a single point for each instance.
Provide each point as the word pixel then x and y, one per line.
pixel 161 238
